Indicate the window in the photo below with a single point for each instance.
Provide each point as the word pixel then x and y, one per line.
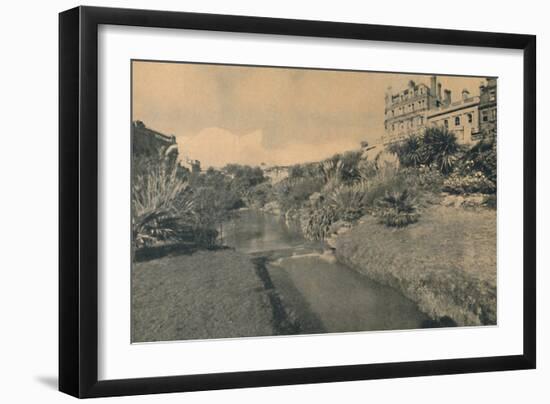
pixel 494 115
pixel 446 123
pixel 484 116
pixel 457 121
pixel 492 95
pixel 470 118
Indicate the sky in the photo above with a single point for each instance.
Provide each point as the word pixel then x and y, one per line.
pixel 224 114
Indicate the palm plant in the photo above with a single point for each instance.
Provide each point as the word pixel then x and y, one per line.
pixel 408 151
pixel 397 209
pixel 349 201
pixel 440 148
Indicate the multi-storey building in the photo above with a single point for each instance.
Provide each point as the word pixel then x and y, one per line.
pixel 488 107
pixel 412 110
pixel 406 111
pixel 460 117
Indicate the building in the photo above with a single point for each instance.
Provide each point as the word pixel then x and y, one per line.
pixel 412 110
pixel 460 117
pixel 405 112
pixel 149 143
pixel 488 107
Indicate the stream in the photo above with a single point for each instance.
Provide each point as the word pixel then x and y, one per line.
pixel 317 292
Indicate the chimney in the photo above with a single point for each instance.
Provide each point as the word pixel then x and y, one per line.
pixel 447 98
pixel 433 85
pixel 465 94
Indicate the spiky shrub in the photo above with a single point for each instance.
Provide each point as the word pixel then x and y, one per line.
pixel 397 209
pixel 367 169
pixel 316 224
pixel 349 201
pixel 437 147
pixel 410 151
pixel 341 167
pixel 440 149
pixel 160 204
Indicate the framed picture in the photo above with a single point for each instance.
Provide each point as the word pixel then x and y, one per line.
pixel 251 201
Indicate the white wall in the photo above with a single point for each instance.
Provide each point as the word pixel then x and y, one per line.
pixel 28 229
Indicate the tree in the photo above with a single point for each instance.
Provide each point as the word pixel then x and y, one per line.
pixel 409 151
pixel 440 148
pixel 437 148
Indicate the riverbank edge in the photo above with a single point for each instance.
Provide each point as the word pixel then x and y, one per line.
pixel 464 297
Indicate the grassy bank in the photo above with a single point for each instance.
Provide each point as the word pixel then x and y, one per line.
pixel 446 262
pixel 208 294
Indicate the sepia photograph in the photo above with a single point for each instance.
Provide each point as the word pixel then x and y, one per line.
pixel 276 201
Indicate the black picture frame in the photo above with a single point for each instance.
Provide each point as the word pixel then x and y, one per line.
pixel 78 201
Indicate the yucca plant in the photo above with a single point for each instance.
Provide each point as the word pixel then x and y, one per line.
pixel 349 201
pixel 159 204
pixel 397 209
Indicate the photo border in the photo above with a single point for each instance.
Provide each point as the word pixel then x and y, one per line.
pixel 78 201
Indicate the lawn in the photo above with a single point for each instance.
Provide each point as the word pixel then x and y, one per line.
pixel 446 262
pixel 207 294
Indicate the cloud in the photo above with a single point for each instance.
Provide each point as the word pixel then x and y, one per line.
pixel 282 115
pixel 217 147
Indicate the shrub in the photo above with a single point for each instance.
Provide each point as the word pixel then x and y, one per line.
pixel 349 201
pixel 293 193
pixel 437 147
pixel 422 178
pixel 260 195
pixel 409 151
pixel 387 179
pixel 318 220
pixel 343 167
pixel 160 203
pixel 482 157
pixel 367 169
pixel 397 209
pixel 466 184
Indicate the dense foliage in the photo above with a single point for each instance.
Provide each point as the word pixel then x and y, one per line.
pixel 348 185
pixel 437 148
pixel 171 204
pixel 397 209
